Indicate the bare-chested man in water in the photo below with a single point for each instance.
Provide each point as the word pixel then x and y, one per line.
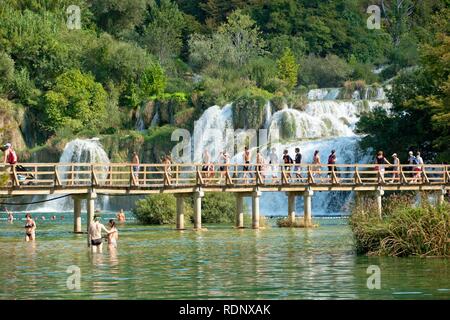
pixel 95 234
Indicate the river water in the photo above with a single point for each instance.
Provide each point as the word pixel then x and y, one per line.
pixel 221 263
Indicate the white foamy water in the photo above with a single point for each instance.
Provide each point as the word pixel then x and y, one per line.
pixel 76 151
pixel 325 124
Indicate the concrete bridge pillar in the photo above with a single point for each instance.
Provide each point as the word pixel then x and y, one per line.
pixel 307 207
pixel 198 195
pixel 180 212
pixel 291 207
pixel 90 208
pixel 239 211
pixel 76 214
pixel 256 195
pixel 379 195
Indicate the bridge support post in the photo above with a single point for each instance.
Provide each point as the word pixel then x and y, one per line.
pixel 90 208
pixel 198 195
pixel 379 195
pixel 307 207
pixel 76 214
pixel 239 211
pixel 291 207
pixel 256 195
pixel 180 212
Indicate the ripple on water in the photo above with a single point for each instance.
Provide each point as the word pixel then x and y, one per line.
pixel 159 263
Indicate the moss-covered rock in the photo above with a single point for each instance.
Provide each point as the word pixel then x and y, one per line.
pixel 288 127
pixel 248 111
pixel 11 118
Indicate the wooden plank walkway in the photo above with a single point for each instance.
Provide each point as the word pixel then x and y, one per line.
pixel 126 178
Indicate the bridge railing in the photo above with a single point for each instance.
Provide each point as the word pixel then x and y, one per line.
pixel 236 174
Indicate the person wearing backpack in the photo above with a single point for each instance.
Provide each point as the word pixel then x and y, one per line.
pixel 10 155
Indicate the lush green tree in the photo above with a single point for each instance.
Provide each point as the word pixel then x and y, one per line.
pixel 288 68
pixel 235 42
pixel 116 16
pixel 163 34
pixel 421 111
pixel 330 71
pixel 6 71
pixel 75 100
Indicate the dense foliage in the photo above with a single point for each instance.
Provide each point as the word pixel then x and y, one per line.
pixel 130 54
pixel 158 209
pixel 421 104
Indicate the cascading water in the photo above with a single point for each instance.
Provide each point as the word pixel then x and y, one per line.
pixel 76 151
pixel 325 124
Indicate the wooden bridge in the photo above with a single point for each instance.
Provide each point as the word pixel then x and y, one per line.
pixel 86 180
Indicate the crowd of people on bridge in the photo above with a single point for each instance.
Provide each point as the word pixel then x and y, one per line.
pixel 293 168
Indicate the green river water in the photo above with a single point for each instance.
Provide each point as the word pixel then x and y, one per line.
pixel 221 263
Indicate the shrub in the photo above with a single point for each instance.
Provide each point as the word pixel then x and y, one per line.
pixel 404 230
pixel 76 100
pixel 159 209
pixel 218 208
pixel 330 71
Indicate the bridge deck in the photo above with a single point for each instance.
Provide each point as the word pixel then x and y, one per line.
pixel 125 178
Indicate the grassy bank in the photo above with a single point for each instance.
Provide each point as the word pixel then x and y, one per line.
pixel 405 230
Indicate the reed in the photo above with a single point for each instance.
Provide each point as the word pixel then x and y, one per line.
pixel 407 229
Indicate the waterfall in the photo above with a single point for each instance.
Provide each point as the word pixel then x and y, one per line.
pixel 76 151
pixel 210 131
pixel 139 125
pixel 324 94
pixel 326 123
pixel 267 115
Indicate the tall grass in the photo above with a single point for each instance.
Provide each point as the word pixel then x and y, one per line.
pixel 406 229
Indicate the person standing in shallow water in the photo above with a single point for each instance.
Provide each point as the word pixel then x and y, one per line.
pixel 121 216
pixel 30 228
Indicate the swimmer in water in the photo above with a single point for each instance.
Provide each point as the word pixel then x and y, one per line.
pixel 30 228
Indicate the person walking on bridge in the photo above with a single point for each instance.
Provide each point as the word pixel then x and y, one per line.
pixel 273 161
pixel 316 164
pixel 246 157
pixel 287 161
pixel 380 161
pixel 9 157
pixel 396 171
pixel 135 161
pixel 331 164
pixel 298 161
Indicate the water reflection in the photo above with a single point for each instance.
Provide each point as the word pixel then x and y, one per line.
pixel 155 263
